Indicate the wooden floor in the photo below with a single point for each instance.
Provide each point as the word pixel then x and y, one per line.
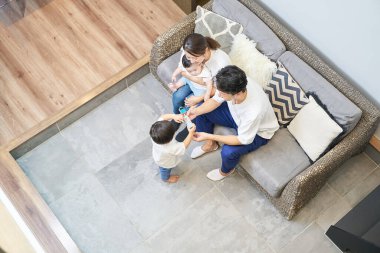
pixel 56 56
pixel 59 52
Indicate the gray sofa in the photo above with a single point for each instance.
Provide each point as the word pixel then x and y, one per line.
pixel 281 169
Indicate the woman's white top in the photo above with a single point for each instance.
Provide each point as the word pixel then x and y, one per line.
pixel 254 115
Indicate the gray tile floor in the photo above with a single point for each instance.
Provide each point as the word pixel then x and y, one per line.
pixel 98 177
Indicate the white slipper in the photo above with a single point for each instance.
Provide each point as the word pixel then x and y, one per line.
pixel 215 175
pixel 198 151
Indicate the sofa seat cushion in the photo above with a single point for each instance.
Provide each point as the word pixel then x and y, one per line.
pixel 346 113
pixel 167 67
pixel 276 163
pixel 372 235
pixel 267 41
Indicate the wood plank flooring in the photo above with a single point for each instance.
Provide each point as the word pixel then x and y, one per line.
pixel 56 57
pixel 59 52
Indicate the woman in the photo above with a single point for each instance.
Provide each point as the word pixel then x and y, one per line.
pixel 198 49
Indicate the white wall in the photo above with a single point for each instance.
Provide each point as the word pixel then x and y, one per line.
pixel 345 32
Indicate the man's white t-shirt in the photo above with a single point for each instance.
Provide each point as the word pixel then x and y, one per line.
pixel 254 115
pixel 168 155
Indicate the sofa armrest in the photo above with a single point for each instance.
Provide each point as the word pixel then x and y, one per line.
pixel 171 41
pixel 307 184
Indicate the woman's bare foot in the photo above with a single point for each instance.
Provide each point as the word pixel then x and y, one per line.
pixel 173 179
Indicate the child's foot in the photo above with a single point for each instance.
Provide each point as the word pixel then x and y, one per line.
pixel 173 179
pixel 172 87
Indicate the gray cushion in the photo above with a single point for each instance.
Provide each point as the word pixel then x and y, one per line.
pixel 276 163
pixel 267 41
pixel 167 67
pixel 346 113
pixel 217 27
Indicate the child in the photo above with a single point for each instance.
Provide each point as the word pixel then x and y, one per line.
pixel 167 152
pixel 203 85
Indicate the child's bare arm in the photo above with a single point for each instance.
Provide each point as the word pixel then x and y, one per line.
pixel 194 79
pixel 176 72
pixel 176 117
pixel 189 137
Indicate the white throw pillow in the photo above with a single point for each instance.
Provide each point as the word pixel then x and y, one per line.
pixel 255 65
pixel 217 27
pixel 313 128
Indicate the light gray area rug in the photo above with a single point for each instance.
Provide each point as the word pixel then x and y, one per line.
pixel 99 178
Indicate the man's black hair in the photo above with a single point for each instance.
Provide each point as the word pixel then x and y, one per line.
pixel 185 62
pixel 162 132
pixel 231 80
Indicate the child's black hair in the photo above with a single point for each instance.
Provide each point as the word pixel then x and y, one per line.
pixel 186 63
pixel 162 132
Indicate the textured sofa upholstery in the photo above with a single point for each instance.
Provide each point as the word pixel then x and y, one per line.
pixel 291 188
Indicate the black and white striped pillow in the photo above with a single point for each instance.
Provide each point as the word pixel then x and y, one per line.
pixel 286 96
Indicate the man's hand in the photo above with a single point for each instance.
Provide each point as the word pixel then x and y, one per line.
pixel 201 136
pixel 191 113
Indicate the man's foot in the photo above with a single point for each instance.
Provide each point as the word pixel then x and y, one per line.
pixel 172 179
pixel 217 174
pixel 181 136
pixel 198 151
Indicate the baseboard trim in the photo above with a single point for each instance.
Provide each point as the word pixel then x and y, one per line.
pixel 375 142
pixel 50 126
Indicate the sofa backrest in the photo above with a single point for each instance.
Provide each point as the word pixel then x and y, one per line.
pixel 267 41
pixel 346 113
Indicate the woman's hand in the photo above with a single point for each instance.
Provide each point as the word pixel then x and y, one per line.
pixel 200 136
pixel 193 100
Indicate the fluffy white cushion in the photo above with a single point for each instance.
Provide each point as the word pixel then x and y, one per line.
pixel 256 65
pixel 313 128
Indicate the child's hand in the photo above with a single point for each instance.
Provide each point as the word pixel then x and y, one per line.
pixel 178 118
pixel 206 97
pixel 192 129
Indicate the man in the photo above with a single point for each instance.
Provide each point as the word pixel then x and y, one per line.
pixel 240 104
